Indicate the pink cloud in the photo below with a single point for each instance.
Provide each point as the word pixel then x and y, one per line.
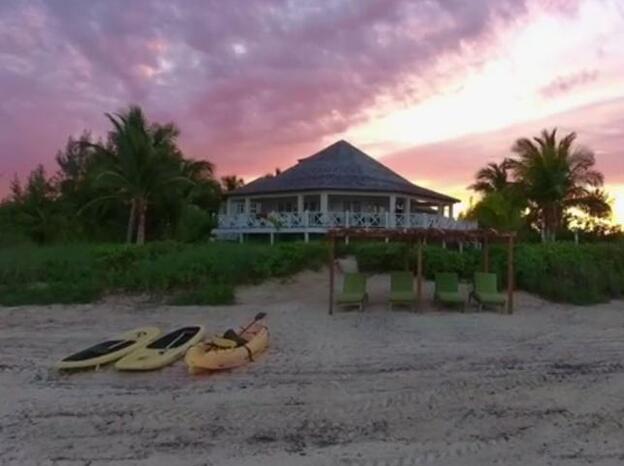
pixel 252 85
pixel 564 84
pixel 454 162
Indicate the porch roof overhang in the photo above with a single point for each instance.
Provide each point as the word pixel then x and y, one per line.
pixel 424 199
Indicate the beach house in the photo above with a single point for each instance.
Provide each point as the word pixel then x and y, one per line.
pixel 338 187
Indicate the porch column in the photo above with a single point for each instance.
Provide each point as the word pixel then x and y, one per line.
pixel 300 203
pixel 324 203
pixel 441 209
pixel 451 210
pixel 392 211
pixel 228 206
pixel 247 206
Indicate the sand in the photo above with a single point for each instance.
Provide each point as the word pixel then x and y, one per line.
pixel 542 386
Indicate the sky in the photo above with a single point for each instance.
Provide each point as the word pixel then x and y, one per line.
pixel 432 88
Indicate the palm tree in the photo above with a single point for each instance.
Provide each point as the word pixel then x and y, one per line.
pixel 555 176
pixel 205 191
pixel 139 161
pixel 498 210
pixel 231 182
pixel 494 177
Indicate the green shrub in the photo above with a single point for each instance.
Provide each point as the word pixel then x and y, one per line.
pixel 206 294
pixel 563 271
pixel 206 273
pixel 194 225
pixel 82 272
pixel 379 256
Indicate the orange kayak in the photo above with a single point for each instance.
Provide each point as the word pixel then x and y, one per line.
pixel 222 353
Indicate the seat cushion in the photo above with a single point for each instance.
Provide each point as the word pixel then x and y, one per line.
pixel 350 298
pixel 449 297
pixel 402 297
pixel 491 298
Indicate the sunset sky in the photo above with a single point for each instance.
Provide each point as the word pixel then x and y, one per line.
pixel 433 88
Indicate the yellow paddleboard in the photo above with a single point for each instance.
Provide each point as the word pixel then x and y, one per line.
pixel 162 352
pixel 110 350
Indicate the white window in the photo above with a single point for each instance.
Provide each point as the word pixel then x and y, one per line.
pixel 238 207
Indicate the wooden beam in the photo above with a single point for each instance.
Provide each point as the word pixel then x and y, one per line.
pixel 486 255
pixel 510 275
pixel 419 270
pixel 332 255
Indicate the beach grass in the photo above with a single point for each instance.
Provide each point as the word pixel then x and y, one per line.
pixel 562 272
pixel 208 273
pixel 193 274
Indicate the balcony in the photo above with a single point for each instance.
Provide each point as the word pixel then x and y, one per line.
pixel 320 222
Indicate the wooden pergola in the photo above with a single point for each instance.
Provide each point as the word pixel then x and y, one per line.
pixel 419 237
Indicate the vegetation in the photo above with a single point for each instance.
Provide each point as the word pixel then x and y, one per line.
pixel 547 185
pixel 231 182
pixel 208 273
pixel 136 184
pixel 61 235
pixel 564 272
pixel 193 274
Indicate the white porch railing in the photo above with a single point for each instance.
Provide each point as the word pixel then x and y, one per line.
pixel 285 221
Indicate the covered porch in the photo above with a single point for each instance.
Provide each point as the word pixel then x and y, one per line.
pixel 335 201
pixel 317 212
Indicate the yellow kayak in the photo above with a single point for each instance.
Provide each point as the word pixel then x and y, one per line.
pixel 225 353
pixel 110 350
pixel 163 351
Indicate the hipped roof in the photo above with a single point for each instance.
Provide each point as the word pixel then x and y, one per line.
pixel 339 167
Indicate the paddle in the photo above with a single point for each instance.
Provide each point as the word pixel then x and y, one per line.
pixel 259 316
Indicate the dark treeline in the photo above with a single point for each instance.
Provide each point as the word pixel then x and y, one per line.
pixel 548 189
pixel 135 184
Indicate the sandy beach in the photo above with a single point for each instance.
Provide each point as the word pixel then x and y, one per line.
pixel 542 386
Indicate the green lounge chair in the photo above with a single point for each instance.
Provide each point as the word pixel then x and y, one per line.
pixel 402 289
pixel 447 290
pixel 353 291
pixel 486 290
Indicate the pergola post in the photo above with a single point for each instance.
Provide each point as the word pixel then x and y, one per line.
pixel 510 274
pixel 332 254
pixel 419 272
pixel 486 255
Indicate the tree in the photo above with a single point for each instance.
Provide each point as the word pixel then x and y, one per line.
pixel 492 178
pixel 555 176
pixel 231 182
pixel 499 210
pixel 139 162
pixel 35 206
